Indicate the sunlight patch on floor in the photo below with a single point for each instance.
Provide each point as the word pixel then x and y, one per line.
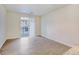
pixel 24 44
pixel 26 38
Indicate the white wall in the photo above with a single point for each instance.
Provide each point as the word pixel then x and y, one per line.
pixel 38 25
pixel 13 25
pixel 2 25
pixel 62 25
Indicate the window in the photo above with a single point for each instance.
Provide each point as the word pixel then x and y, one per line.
pixel 24 18
pixel 25 26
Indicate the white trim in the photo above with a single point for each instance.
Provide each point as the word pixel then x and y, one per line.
pixel 60 42
pixel 2 44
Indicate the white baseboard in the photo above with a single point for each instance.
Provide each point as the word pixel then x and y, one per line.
pixel 14 37
pixel 2 43
pixel 59 41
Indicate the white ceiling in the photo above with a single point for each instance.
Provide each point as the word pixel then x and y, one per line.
pixel 35 9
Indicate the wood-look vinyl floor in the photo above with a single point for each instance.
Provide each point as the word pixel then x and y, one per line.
pixel 33 46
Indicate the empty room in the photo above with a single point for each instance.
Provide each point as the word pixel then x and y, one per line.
pixel 39 29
